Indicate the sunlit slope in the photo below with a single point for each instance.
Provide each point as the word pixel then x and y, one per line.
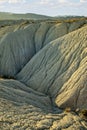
pixel 59 69
pixel 48 58
pixel 43 75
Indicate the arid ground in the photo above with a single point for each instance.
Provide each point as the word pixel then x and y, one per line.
pixel 43 74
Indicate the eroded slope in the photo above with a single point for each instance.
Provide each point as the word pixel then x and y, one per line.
pixel 61 63
pixel 43 67
pixel 18 47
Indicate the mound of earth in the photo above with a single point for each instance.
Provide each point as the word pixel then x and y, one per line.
pixel 43 70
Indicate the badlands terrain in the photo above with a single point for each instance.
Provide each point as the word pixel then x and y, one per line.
pixel 43 74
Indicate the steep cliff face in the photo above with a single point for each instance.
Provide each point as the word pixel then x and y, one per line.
pixel 44 65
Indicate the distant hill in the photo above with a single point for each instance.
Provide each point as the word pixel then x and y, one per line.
pixel 12 16
pixel 32 16
pixel 68 17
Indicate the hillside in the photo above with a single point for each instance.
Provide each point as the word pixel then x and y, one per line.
pixel 12 16
pixel 43 75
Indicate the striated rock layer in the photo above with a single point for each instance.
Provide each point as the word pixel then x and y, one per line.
pixel 43 69
pixel 60 70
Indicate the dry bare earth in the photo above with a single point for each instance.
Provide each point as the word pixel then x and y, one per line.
pixel 43 68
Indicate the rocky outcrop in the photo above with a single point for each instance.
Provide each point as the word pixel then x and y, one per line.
pixel 18 47
pixel 43 67
pixel 61 64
